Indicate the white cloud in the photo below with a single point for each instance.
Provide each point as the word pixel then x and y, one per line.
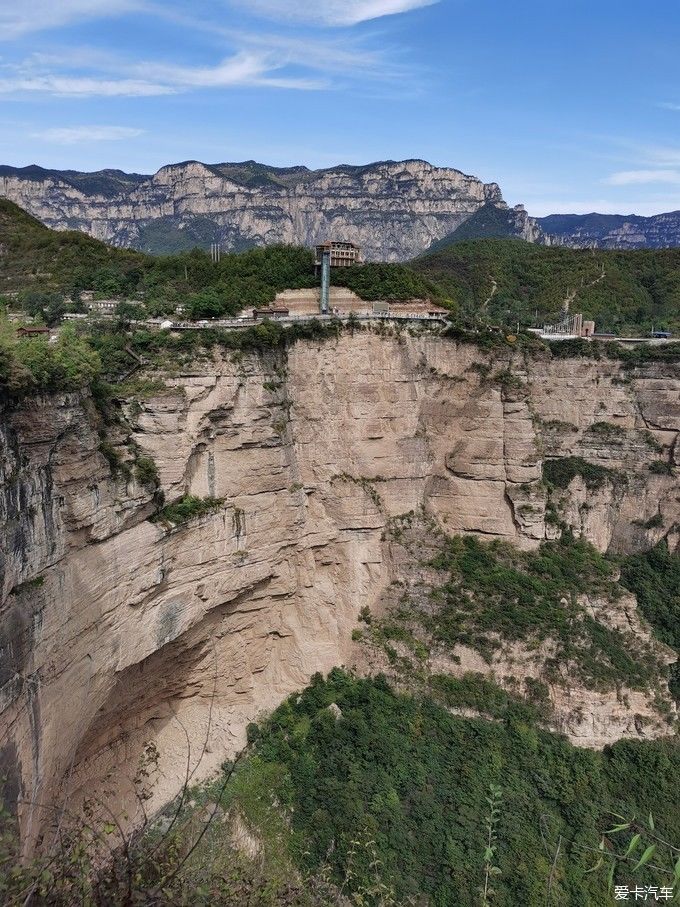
pixel 333 12
pixel 259 59
pixel 662 155
pixel 643 177
pixel 345 55
pixel 245 68
pixel 76 135
pixel 668 105
pixel 17 19
pixel 81 86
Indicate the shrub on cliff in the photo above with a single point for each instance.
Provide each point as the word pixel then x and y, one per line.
pixel 146 471
pixel 35 364
pixel 495 591
pixel 560 472
pixel 188 507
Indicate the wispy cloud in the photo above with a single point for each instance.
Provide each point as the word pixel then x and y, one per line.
pixel 41 15
pixel 243 68
pixel 145 79
pixel 348 57
pixel 279 59
pixel 651 164
pixel 668 105
pixel 643 177
pixel 76 135
pixel 18 19
pixel 332 12
pixel 259 59
pixel 662 155
pixel 81 86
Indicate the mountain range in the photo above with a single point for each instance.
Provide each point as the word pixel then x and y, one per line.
pixel 613 231
pixel 395 210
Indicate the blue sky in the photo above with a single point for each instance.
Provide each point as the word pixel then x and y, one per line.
pixel 571 106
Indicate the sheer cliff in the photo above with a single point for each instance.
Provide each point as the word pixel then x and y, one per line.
pixel 394 210
pixel 117 629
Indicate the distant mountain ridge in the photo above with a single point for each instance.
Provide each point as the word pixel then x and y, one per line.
pixel 613 231
pixel 393 209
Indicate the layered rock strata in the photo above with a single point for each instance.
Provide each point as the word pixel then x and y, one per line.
pixel 116 630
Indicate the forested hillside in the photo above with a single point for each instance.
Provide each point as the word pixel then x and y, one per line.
pixel 510 280
pixel 489 222
pixel 44 265
pixel 48 264
pixel 356 794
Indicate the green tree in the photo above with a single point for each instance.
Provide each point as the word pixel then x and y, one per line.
pixel 130 311
pixel 77 364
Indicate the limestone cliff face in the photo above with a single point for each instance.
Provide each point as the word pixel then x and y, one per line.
pixel 115 630
pixel 394 210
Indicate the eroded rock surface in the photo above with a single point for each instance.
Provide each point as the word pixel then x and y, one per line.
pixel 116 630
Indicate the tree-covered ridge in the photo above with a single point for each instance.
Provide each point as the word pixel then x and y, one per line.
pixel 37 261
pixel 487 222
pixel 510 280
pixel 44 266
pixel 33 257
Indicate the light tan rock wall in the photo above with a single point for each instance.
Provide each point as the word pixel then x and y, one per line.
pixel 127 631
pixel 394 210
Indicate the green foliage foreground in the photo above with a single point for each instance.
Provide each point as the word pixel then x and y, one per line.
pixel 33 365
pixel 403 772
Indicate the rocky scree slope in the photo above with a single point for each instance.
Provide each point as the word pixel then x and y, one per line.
pixel 117 629
pixel 394 210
